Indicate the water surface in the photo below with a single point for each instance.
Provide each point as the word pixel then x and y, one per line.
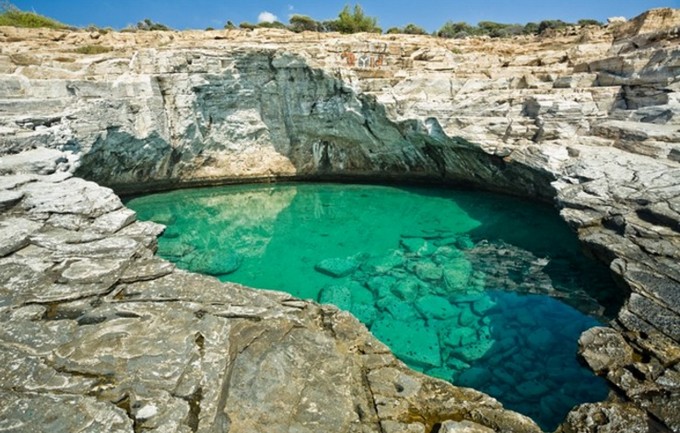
pixel 479 289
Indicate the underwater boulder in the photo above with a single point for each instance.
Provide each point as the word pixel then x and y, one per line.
pixel 218 263
pixel 337 267
pixel 338 295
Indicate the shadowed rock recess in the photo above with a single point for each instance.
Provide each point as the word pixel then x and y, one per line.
pixel 97 334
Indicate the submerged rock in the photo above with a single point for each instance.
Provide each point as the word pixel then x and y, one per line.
pixel 383 264
pixel 436 307
pixel 338 267
pixel 215 263
pixel 457 273
pixel 414 342
pixel 338 295
pixel 427 271
pixel 417 246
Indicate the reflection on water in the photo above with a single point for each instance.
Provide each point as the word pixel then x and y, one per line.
pixel 479 289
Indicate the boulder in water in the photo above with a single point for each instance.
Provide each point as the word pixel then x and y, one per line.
pixel 436 307
pixel 338 295
pixel 218 263
pixel 337 267
pixel 414 342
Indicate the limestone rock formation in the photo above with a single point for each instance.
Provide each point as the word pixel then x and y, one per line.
pixel 586 117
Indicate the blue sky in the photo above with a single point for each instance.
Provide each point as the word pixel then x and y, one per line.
pixel 430 14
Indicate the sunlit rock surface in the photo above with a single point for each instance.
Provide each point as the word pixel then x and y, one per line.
pixel 587 116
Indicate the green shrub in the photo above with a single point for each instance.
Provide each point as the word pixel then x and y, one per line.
pixel 531 28
pixel 457 30
pixel 148 25
pixel 272 25
pixel 247 26
pixel 409 29
pixel 545 25
pixel 92 49
pixel 589 22
pixel 303 23
pixel 499 30
pixel 355 21
pixel 10 15
pixel 412 29
pixel 229 26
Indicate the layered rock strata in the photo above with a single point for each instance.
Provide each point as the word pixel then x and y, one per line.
pixel 588 117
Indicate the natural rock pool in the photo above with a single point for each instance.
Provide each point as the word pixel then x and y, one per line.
pixel 482 290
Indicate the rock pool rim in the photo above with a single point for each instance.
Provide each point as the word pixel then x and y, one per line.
pixel 127 192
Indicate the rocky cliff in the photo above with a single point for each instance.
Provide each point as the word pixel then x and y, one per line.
pixel 587 117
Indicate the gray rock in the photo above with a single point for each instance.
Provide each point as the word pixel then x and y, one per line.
pixel 37 161
pixel 114 221
pixel 88 271
pixel 144 270
pixel 463 427
pixel 15 234
pixel 607 418
pixel 605 349
pixel 9 199
pixel 73 196
pixel 60 413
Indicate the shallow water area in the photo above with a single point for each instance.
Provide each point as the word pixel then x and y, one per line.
pixel 479 289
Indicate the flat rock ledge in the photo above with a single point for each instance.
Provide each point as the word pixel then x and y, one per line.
pixel 97 334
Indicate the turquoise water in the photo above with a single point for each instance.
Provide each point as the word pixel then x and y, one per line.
pixel 479 289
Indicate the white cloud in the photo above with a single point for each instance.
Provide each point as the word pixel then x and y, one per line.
pixel 266 17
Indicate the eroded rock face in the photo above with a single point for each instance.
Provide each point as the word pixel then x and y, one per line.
pixel 587 117
pixel 97 334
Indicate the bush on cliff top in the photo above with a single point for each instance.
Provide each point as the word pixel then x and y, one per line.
pixel 409 29
pixel 10 15
pixel 355 21
pixel 303 23
pixel 500 30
